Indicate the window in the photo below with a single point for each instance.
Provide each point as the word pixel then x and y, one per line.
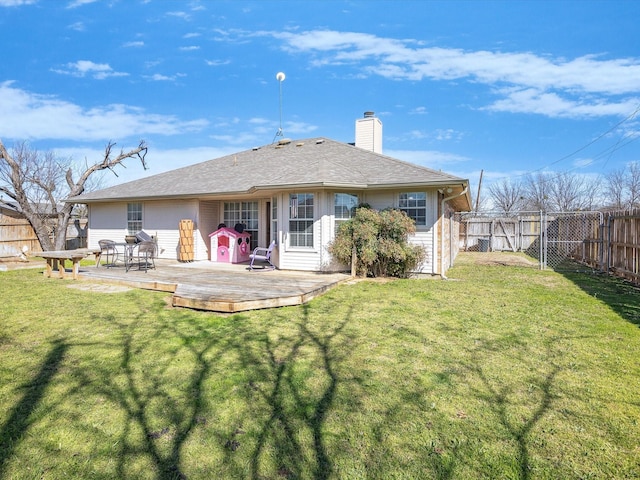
pixel 414 204
pixel 344 207
pixel 134 217
pixel 301 219
pixel 245 213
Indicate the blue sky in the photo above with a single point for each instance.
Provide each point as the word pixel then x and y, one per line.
pixel 508 87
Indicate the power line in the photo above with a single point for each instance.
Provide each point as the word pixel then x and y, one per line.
pixel 612 149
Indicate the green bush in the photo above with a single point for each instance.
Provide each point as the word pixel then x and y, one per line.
pixel 380 239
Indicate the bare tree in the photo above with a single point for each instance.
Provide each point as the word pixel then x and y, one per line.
pixel 569 192
pixel 39 182
pixel 615 188
pixel 507 195
pixel 622 187
pixel 560 192
pixel 633 185
pixel 537 192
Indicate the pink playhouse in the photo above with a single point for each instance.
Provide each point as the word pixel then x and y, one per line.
pixel 230 246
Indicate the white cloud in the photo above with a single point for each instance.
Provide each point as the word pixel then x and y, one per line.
pixel 551 104
pixel 439 134
pixel 259 121
pixel 427 158
pixel 78 26
pixel 157 77
pixel 180 15
pixel 189 48
pixel 401 59
pixel 27 115
pixel 138 43
pixel 298 128
pixel 79 3
pixel 217 63
pixel 589 85
pixel 158 160
pixel 582 162
pixel 418 111
pixel 82 68
pixel 16 3
pixel 235 140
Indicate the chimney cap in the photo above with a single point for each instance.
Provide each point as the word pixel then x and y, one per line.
pixel 369 114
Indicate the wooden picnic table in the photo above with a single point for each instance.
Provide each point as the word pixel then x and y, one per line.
pixel 56 258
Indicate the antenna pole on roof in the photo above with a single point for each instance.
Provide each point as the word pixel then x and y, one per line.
pixel 280 76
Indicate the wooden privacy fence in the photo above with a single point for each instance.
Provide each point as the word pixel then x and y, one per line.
pixel 622 231
pixel 606 241
pixel 15 233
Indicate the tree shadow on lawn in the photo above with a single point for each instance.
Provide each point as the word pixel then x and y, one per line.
pixel 248 366
pixel 621 295
pixel 142 390
pixel 283 376
pixel 296 388
pixel 19 421
pixel 501 399
pixel 295 409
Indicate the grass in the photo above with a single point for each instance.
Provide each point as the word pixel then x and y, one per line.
pixel 501 372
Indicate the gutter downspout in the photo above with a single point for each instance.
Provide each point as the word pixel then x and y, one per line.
pixel 442 202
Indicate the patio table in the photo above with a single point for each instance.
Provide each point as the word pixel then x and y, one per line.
pixel 56 258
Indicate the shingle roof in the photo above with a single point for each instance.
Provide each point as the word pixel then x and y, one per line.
pixel 316 162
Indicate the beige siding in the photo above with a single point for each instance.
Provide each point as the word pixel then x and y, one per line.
pixel 381 200
pixel 210 217
pixel 369 134
pixel 427 236
pixel 106 221
pixel 295 258
pixel 162 219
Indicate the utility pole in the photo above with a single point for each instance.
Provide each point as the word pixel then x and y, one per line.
pixel 478 195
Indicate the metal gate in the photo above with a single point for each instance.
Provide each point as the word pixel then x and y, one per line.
pixel 550 237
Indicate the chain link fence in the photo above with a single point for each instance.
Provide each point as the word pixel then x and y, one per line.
pixel 556 239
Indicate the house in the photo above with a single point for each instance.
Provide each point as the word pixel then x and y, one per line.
pixel 296 192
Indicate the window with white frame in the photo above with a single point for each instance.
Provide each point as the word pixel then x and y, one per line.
pixel 134 217
pixel 414 204
pixel 344 207
pixel 301 219
pixel 245 213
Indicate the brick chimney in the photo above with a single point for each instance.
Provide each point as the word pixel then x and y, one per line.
pixel 369 133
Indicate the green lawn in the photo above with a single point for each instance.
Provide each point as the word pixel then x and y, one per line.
pixel 502 372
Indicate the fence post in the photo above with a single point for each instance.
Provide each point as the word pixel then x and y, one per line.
pixel 609 220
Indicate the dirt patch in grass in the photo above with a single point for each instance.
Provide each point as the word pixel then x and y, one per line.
pixel 14 263
pixel 498 258
pixel 99 287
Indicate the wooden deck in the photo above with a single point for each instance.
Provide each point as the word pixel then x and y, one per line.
pixel 221 287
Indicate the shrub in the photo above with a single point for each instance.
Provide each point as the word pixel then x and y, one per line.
pixel 380 239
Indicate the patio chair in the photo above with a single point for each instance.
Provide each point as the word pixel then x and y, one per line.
pixel 264 255
pixel 109 252
pixel 143 256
